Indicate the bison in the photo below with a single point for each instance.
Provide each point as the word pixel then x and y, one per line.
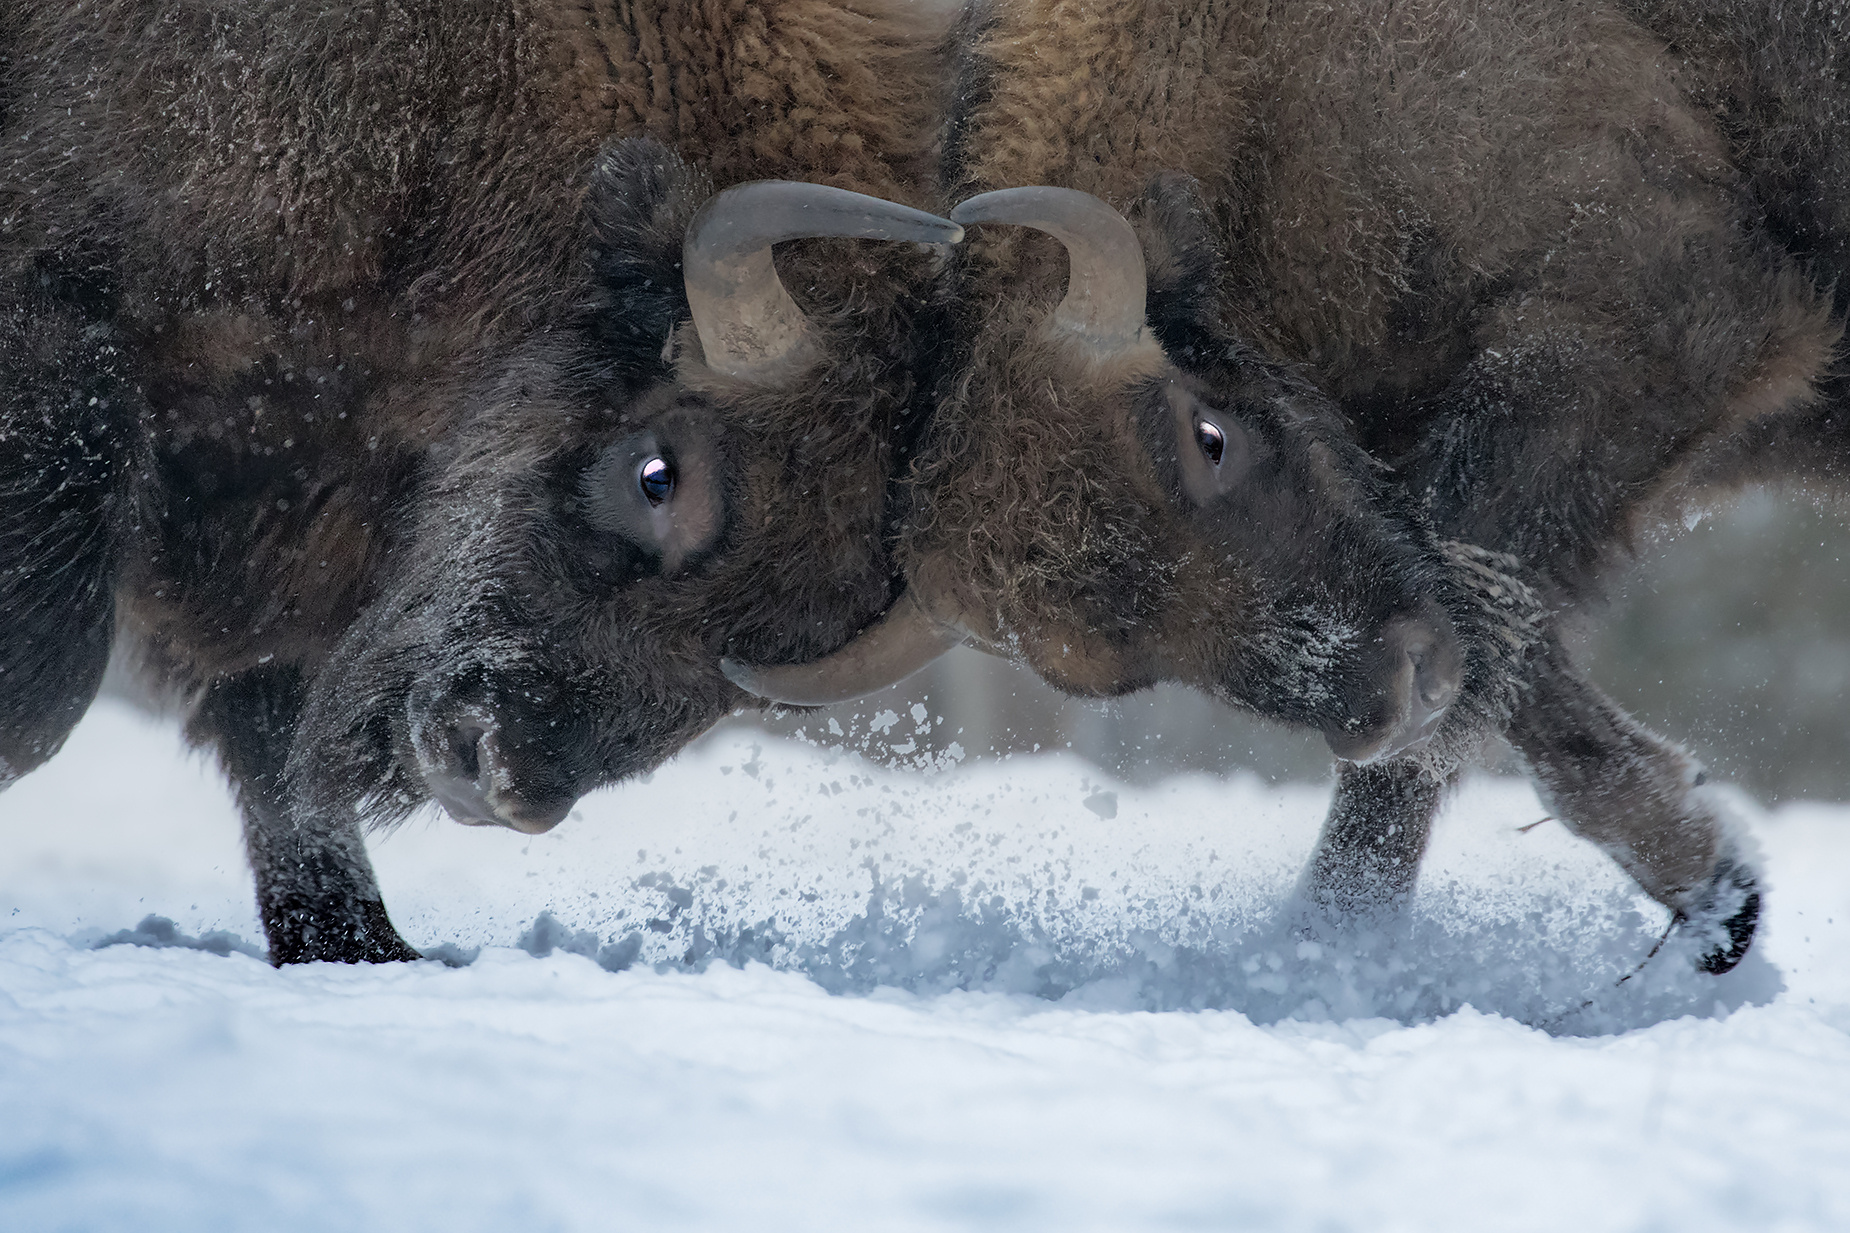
pixel 392 385
pixel 1326 356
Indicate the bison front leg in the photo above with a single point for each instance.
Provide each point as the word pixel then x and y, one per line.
pixel 316 892
pixel 1640 798
pixel 1368 857
pixel 72 467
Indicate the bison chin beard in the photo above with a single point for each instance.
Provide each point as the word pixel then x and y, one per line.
pixel 347 754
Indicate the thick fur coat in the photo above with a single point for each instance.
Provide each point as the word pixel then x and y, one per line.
pixel 1555 269
pixel 312 320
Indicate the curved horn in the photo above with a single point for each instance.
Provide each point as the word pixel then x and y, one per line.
pixel 1105 288
pixel 903 640
pixel 747 322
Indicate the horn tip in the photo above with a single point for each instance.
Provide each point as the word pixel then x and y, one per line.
pixel 743 675
pixel 1018 205
pixel 927 229
pixel 937 231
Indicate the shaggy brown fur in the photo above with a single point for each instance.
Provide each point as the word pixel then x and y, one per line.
pixel 316 311
pixel 1507 253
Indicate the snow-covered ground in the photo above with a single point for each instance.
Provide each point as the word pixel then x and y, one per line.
pixel 779 987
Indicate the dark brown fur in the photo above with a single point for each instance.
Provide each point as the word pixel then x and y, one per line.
pixel 314 312
pixel 1552 271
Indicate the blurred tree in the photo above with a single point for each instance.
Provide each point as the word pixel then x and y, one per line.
pixel 1734 636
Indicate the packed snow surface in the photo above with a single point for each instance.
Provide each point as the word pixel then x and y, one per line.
pixel 782 987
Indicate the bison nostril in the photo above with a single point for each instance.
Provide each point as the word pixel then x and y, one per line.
pixel 465 749
pixel 1434 665
pixel 1435 675
pixel 471 768
pixel 1438 680
pixel 1409 687
pixel 1416 657
pixel 456 756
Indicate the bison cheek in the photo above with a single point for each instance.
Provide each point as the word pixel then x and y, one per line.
pixel 1087 664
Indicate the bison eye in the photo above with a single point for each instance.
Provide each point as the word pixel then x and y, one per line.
pixel 1211 439
pixel 656 479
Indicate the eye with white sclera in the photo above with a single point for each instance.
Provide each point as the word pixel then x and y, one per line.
pixel 1211 439
pixel 1213 447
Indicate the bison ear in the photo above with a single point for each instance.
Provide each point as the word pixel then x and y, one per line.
pixel 1184 263
pixel 640 200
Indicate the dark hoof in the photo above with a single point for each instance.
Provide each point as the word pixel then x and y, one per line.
pixel 1725 918
pixel 325 937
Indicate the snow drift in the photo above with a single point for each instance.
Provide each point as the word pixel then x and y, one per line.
pixel 780 986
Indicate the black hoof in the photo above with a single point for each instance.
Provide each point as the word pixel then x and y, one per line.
pixel 363 937
pixel 1724 919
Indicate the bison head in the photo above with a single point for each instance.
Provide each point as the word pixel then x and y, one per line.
pixel 692 467
pixel 1118 488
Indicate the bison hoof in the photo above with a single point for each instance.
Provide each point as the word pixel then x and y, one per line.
pixel 363 937
pixel 1723 919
